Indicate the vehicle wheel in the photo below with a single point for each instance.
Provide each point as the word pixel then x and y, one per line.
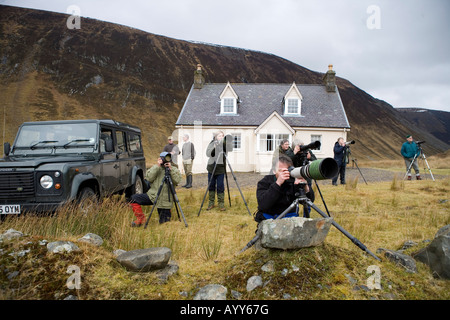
pixel 138 187
pixel 87 199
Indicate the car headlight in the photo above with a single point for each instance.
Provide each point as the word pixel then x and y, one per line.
pixel 46 182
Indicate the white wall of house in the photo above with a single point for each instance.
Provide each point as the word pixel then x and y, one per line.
pixel 251 156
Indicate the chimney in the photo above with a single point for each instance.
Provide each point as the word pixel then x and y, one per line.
pixel 329 79
pixel 199 79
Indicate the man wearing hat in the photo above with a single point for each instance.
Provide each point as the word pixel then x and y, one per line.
pixel 409 151
pixel 173 149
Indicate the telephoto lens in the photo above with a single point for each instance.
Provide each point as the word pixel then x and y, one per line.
pixel 318 170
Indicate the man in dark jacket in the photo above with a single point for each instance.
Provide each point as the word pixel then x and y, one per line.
pixel 340 155
pixel 214 152
pixel 173 149
pixel 409 151
pixel 276 192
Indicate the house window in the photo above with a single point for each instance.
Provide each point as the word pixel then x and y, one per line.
pixel 237 142
pixel 270 142
pixel 317 137
pixel 292 107
pixel 228 105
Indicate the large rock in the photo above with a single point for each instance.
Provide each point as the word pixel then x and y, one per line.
pixel 400 259
pixel 437 254
pixel 92 238
pixel 11 234
pixel 293 233
pixel 62 246
pixel 144 260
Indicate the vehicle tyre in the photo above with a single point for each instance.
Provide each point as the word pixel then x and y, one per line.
pixel 137 188
pixel 87 199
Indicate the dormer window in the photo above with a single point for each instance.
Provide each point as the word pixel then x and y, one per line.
pixel 292 106
pixel 228 100
pixel 293 102
pixel 228 105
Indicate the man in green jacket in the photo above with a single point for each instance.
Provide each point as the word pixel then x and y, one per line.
pixel 409 151
pixel 155 176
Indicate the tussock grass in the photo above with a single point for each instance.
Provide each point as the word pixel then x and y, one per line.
pixel 380 215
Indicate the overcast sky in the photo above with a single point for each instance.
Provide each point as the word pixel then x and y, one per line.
pixel 397 51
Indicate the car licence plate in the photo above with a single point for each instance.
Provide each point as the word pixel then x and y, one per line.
pixel 9 208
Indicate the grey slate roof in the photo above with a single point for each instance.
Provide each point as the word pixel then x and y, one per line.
pixel 319 108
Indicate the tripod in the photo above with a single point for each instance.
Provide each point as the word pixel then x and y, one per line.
pixel 171 190
pixel 302 199
pixel 355 162
pixel 226 177
pixel 414 159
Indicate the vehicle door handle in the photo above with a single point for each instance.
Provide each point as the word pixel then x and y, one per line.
pixel 116 166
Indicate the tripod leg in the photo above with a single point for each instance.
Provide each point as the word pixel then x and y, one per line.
pixel 207 189
pixel 322 198
pixel 177 202
pixel 154 204
pixel 409 167
pixel 348 235
pixel 359 171
pixel 429 169
pixel 235 180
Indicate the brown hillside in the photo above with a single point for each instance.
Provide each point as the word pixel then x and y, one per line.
pixel 104 70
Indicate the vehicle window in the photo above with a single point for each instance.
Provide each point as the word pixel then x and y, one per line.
pixel 120 137
pixel 105 134
pixel 134 142
pixel 60 138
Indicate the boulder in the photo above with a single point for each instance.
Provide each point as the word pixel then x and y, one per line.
pixel 437 254
pixel 144 260
pixel 400 259
pixel 11 234
pixel 62 246
pixel 92 238
pixel 293 233
pixel 212 292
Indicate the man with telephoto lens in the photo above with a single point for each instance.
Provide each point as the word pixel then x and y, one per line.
pixel 341 156
pixel 216 160
pixel 276 191
pixel 409 151
pixel 155 176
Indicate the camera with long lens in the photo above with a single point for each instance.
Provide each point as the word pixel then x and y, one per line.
pixel 318 170
pixel 420 142
pixel 350 142
pixel 166 157
pixel 301 158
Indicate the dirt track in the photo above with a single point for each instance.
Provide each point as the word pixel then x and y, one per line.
pixel 246 179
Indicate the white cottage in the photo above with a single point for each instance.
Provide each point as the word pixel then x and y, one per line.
pixel 259 116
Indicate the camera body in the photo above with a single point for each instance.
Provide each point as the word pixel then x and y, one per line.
pixel 301 158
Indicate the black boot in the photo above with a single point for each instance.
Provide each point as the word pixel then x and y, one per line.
pixel 188 182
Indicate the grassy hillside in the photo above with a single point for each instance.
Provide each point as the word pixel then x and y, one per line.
pixel 104 70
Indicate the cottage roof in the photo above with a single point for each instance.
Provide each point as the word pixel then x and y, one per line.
pixel 319 108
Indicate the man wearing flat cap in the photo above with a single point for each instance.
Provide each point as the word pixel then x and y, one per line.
pixel 409 151
pixel 173 149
